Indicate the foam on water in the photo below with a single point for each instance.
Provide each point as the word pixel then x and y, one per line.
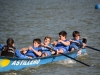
pixel 66 62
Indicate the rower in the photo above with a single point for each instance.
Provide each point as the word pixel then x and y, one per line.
pixel 9 49
pixel 62 44
pixel 76 42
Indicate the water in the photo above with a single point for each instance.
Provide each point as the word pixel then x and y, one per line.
pixel 24 20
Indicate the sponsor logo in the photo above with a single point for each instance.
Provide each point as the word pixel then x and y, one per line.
pixel 25 62
pixel 4 62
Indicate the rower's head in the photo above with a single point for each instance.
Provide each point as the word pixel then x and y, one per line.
pixel 47 40
pixel 62 35
pixel 36 42
pixel 76 35
pixel 10 42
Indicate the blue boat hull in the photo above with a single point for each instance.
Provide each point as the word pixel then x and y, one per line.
pixel 7 64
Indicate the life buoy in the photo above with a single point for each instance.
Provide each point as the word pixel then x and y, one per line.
pixel 97 6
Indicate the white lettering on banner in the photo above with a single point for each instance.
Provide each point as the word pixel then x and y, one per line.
pixel 25 62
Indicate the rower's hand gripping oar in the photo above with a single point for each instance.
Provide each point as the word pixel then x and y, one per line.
pixel 85 41
pixel 70 57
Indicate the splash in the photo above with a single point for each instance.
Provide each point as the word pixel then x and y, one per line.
pixel 67 62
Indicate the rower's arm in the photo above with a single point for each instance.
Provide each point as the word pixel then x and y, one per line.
pixel 67 43
pixel 37 52
pixel 19 55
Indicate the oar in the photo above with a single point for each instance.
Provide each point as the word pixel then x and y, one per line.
pixel 76 60
pixel 93 48
pixel 70 57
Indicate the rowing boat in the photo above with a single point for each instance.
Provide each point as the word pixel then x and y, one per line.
pixel 8 63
